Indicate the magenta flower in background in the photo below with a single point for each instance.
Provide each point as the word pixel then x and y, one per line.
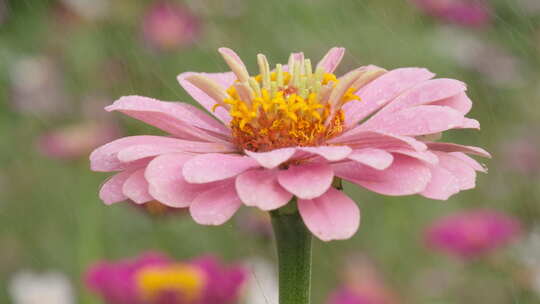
pixel 76 140
pixel 471 13
pixel 155 279
pixel 293 132
pixel 472 234
pixel 169 25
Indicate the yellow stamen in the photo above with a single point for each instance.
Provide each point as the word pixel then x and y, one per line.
pixel 278 109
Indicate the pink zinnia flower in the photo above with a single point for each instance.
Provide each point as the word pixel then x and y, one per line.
pixel 155 279
pixel 168 25
pixel 473 13
pixel 290 133
pixel 472 233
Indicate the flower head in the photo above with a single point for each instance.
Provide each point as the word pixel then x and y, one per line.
pixel 472 13
pixel 289 132
pixel 155 279
pixel 473 233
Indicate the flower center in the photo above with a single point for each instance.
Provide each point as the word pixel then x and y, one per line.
pixel 178 281
pixel 289 106
pixel 282 109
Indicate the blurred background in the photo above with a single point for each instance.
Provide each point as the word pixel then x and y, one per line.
pixel 62 61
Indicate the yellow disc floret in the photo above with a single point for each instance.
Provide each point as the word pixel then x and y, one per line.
pixel 184 281
pixel 289 110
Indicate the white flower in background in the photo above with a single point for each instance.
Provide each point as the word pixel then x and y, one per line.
pixel 37 87
pixel 529 7
pixel 40 288
pixel 262 286
pixel 89 9
pixel 528 253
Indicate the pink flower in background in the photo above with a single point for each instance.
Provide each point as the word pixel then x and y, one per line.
pixel 289 133
pixel 76 140
pixel 155 279
pixel 522 155
pixel 363 285
pixel 495 64
pixel 168 25
pixel 472 13
pixel 472 233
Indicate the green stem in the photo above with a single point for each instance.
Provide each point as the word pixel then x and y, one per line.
pixel 293 242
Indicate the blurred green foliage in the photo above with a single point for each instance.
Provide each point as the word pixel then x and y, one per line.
pixel 51 216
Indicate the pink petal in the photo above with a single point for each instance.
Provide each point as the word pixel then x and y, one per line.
pixel 405 176
pixel 224 79
pixel 331 60
pixel 459 102
pixel 442 185
pixel 463 172
pixel 451 147
pixel 273 158
pixel 374 158
pixel 359 139
pixel 171 145
pixel 119 153
pixel 214 167
pixel 424 93
pixel 470 124
pixel 470 161
pixel 136 188
pixel 332 216
pixel 427 156
pixel 330 153
pixel 179 119
pixel 111 190
pixel 416 121
pixel 380 91
pixel 167 184
pixel 105 158
pixel 260 188
pixel 215 206
pixel 307 181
